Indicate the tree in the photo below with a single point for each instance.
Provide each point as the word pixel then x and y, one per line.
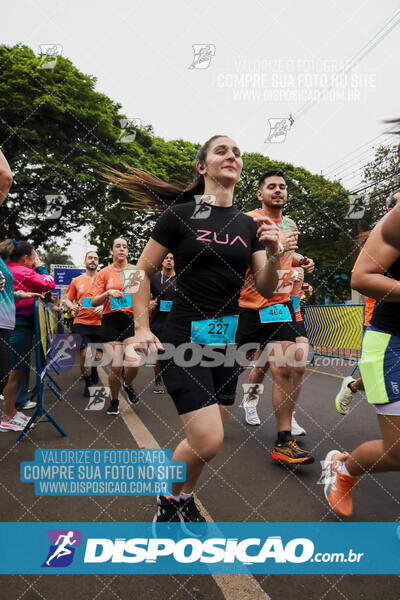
pixel 53 254
pixel 58 133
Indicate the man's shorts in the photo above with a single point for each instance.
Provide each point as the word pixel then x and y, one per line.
pixel 251 330
pixel 90 334
pixel 117 326
pixel 301 329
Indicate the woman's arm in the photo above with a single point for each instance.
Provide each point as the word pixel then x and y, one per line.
pixel 265 265
pixel 150 262
pixel 375 259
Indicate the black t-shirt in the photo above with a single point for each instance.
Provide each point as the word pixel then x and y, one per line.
pixel 162 288
pixel 212 251
pixel 386 315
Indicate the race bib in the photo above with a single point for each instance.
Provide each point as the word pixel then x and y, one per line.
pixel 87 303
pixel 216 332
pixel 295 301
pixel 118 303
pixel 165 305
pixel 277 313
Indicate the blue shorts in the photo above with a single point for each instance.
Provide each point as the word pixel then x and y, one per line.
pixel 380 367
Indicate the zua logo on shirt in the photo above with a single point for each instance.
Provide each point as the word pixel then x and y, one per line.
pixel 62 547
pixel 118 303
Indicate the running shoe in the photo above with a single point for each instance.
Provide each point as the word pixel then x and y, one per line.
pixel 191 514
pixel 344 397
pixel 113 409
pixel 94 376
pixel 30 404
pixel 86 393
pixel 132 396
pixel 251 415
pixel 297 429
pixel 291 453
pixel 14 424
pixel 338 486
pixel 24 418
pixel 158 386
pixel 167 513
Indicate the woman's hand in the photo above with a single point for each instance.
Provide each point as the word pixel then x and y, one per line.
pixel 36 260
pixel 152 304
pixel 21 295
pixel 268 234
pixel 2 282
pixel 146 342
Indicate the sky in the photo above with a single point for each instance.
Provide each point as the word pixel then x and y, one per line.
pixel 262 61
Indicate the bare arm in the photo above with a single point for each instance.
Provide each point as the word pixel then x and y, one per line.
pixel 5 178
pixel 377 256
pixel 265 265
pixel 150 262
pixel 391 228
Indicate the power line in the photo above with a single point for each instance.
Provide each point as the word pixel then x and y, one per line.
pixel 362 53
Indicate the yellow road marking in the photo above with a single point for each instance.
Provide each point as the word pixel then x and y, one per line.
pixel 325 373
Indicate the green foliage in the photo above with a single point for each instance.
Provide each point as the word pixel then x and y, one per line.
pixel 58 131
pixel 60 134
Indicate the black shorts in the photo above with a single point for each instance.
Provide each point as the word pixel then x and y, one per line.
pixel 90 334
pixel 198 386
pixel 117 326
pixel 301 329
pixel 251 330
pixel 5 357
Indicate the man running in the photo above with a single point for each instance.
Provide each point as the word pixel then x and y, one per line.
pixel 162 289
pixel 271 323
pixel 87 319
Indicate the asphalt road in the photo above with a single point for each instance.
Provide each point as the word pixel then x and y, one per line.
pixel 241 484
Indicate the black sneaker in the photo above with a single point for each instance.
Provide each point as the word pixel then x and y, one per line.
pixel 86 393
pixel 132 396
pixel 94 376
pixel 291 453
pixel 158 386
pixel 113 409
pixel 167 513
pixel 191 514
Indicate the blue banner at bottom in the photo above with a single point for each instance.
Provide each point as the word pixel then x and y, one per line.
pixel 229 548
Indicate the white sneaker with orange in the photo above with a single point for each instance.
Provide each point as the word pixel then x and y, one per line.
pixel 338 486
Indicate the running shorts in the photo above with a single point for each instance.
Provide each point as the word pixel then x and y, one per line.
pixel 198 386
pixel 117 326
pixel 251 330
pixel 380 370
pixel 90 334
pixel 301 329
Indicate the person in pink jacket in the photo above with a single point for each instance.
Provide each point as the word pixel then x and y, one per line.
pixel 29 276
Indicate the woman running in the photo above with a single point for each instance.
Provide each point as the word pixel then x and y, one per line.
pixel 213 244
pixel 113 287
pixel 377 275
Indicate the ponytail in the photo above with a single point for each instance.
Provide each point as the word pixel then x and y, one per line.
pixel 151 192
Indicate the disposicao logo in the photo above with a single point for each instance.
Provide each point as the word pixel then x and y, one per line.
pixel 62 547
